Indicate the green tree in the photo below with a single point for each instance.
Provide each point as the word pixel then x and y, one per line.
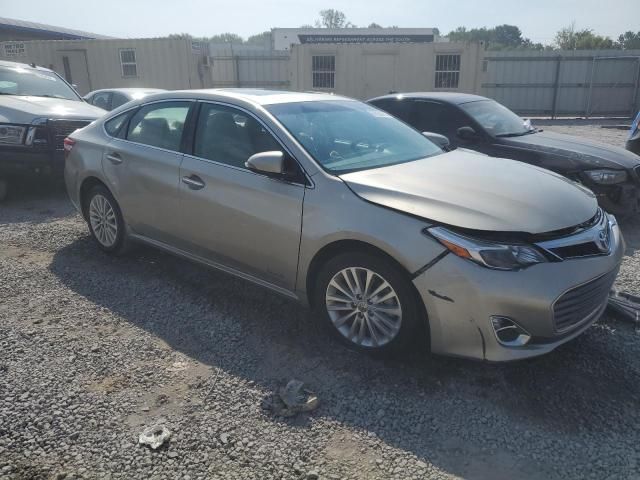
pixel 331 18
pixel 629 41
pixel 374 25
pixel 496 38
pixel 571 39
pixel 259 39
pixel 226 38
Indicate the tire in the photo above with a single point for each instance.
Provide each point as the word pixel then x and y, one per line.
pixel 372 323
pixel 105 221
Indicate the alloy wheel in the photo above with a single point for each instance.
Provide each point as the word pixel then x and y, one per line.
pixel 363 307
pixel 103 221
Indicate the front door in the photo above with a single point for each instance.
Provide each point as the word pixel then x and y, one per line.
pixel 231 215
pixel 72 65
pixel 143 169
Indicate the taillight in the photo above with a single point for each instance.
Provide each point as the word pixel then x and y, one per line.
pixel 68 145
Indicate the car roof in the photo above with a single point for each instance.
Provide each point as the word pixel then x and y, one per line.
pixel 253 95
pixel 445 97
pixel 5 63
pixel 128 90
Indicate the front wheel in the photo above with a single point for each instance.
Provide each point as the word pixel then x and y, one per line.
pixel 105 220
pixel 368 302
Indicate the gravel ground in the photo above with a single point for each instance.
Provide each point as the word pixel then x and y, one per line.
pixel 93 349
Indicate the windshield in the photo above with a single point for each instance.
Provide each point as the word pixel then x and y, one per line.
pixel 346 136
pixel 38 83
pixel 497 119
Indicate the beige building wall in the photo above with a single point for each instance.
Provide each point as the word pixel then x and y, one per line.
pixel 95 64
pixel 364 71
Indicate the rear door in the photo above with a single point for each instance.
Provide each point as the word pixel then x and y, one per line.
pixel 235 217
pixel 143 168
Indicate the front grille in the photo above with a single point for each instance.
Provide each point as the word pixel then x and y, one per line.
pixel 61 129
pixel 580 303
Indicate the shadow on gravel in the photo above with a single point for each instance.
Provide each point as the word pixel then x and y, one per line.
pixel 45 196
pixel 437 408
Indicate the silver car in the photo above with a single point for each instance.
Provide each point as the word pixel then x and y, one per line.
pixel 112 98
pixel 335 203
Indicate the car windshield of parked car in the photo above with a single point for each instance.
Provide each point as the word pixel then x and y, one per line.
pixel 32 82
pixel 497 119
pixel 347 136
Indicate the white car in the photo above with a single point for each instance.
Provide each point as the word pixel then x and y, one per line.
pixel 111 98
pixel 38 110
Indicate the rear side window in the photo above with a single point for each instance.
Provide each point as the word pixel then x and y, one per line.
pixel 114 125
pixel 101 100
pixel 159 125
pixel 396 107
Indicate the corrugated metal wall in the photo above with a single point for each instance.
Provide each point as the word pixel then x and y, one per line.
pixel 246 66
pixel 588 82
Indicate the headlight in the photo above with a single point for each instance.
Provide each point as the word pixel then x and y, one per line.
pixel 11 134
pixel 492 255
pixel 607 177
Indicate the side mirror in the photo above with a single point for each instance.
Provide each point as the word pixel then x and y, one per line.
pixel 269 163
pixel 440 140
pixel 467 133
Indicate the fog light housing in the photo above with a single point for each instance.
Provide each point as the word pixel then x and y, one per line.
pixel 509 333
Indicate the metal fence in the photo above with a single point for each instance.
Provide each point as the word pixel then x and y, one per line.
pixel 585 83
pixel 244 66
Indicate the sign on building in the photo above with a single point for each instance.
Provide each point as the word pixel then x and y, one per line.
pixel 14 49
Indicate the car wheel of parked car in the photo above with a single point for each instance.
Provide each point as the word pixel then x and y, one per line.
pixel 105 220
pixel 368 302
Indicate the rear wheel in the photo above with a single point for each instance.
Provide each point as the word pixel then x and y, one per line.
pixel 105 220
pixel 368 302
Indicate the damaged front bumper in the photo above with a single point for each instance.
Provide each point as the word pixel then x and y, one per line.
pixel 621 200
pixel 463 299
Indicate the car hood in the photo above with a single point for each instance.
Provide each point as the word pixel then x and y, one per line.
pixel 477 192
pixel 580 151
pixel 24 109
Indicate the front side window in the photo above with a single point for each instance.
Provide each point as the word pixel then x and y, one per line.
pixel 32 82
pixel 345 136
pixel 323 71
pixel 159 125
pixel 436 117
pixel 128 62
pixel 497 119
pixel 230 136
pixel 447 71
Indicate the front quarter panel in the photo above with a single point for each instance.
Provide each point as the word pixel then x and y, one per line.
pixel 332 213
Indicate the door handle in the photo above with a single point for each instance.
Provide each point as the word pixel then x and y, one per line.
pixel 114 158
pixel 194 182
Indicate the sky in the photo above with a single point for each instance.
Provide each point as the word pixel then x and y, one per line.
pixel 538 19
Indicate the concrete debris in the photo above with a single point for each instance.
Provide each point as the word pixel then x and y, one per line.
pixel 625 306
pixel 292 399
pixel 154 436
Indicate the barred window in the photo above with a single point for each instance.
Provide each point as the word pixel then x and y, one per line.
pixel 447 71
pixel 128 62
pixel 323 70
